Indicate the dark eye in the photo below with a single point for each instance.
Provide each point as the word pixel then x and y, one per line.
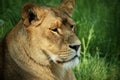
pixel 72 26
pixel 55 30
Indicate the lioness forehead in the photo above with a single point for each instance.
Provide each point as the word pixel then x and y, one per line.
pixel 64 17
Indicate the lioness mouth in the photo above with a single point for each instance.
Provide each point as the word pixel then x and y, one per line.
pixel 61 62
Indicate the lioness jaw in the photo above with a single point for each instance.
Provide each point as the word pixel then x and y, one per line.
pixel 42 46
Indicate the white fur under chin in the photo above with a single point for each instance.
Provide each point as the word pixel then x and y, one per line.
pixel 71 64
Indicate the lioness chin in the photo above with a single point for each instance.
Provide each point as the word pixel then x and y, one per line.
pixel 42 46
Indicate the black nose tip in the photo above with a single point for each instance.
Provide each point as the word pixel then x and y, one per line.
pixel 75 47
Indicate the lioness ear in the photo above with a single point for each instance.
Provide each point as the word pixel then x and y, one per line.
pixel 67 6
pixel 31 12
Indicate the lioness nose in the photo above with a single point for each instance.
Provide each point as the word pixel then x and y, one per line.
pixel 75 47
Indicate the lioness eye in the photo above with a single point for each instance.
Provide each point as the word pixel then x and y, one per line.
pixel 55 30
pixel 72 26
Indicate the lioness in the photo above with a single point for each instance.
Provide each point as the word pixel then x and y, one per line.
pixel 42 46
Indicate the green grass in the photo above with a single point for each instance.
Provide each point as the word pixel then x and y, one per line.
pixel 95 67
pixel 96 21
pixel 98 27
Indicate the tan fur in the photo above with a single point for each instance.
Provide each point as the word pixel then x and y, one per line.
pixel 40 46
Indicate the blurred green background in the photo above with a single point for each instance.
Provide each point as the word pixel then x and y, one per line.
pixel 98 27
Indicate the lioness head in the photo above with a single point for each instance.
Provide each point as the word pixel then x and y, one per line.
pixel 49 34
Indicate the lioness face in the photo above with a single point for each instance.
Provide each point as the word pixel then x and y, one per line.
pixel 52 32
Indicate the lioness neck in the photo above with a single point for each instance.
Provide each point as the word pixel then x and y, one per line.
pixel 53 72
